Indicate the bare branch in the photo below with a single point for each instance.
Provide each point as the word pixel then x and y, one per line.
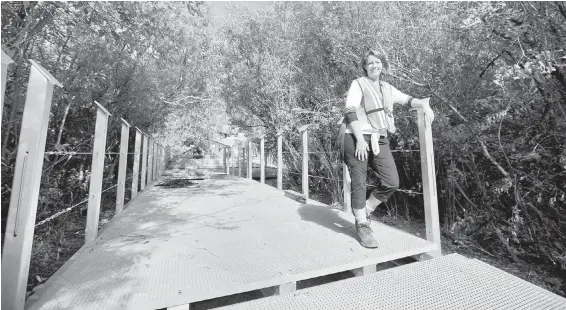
pixel 486 152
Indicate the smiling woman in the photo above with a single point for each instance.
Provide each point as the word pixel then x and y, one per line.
pixel 368 119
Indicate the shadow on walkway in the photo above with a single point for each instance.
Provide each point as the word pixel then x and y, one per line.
pixel 327 218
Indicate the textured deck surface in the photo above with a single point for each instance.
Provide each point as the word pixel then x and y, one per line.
pixel 224 236
pixel 449 282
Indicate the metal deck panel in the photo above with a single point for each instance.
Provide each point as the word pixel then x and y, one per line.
pixel 224 236
pixel 448 282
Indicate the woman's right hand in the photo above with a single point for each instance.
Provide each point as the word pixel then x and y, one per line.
pixel 362 149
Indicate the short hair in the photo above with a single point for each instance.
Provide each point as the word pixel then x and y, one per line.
pixel 379 55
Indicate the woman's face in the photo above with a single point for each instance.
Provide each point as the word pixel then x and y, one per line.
pixel 374 66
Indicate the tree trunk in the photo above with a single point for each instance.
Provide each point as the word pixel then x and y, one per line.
pixel 63 121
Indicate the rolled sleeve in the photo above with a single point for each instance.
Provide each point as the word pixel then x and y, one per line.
pixel 350 117
pixel 354 97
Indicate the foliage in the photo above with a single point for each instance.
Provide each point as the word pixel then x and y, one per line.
pixel 495 72
pixel 140 60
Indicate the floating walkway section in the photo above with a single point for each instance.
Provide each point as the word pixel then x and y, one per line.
pixel 448 282
pixel 226 235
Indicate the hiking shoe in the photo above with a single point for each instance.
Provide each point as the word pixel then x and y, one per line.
pixel 365 235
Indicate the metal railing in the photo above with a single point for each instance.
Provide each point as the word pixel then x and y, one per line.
pixel 21 221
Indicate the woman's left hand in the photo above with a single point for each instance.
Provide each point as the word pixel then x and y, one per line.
pixel 429 114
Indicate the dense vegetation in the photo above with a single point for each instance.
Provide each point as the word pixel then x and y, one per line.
pixel 495 72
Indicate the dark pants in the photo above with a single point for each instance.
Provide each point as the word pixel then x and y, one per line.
pixel 383 164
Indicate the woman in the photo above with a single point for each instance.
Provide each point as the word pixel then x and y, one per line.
pixel 368 119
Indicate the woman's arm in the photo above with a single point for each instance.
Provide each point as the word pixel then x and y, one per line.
pixel 352 104
pixel 403 99
pixel 425 105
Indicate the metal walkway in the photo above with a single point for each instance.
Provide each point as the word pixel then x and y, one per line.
pixel 448 282
pixel 223 236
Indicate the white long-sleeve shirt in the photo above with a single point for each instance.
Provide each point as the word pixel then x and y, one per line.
pixel 354 103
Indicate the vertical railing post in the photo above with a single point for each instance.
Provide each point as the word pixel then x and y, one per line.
pixel 136 168
pixel 162 161
pixel 244 161
pixel 429 183
pixel 225 159
pixel 280 161
pixel 6 61
pixel 347 188
pixel 153 159
pixel 262 160
pixel 20 224
pixel 167 157
pixel 156 161
pixel 240 160
pixel 305 174
pixel 159 161
pixel 123 163
pixel 150 161
pixel 144 162
pixel 232 159
pixel 97 173
pixel 250 160
pixel 157 173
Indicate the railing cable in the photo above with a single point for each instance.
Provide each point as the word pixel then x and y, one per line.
pixel 54 216
pixel 408 191
pixel 75 147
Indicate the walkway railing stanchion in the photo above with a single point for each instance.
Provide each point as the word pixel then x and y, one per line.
pixel 161 161
pixel 158 162
pixel 225 160
pixel 136 167
pixel 280 161
pixel 244 161
pixel 156 173
pixel 429 183
pixel 144 161
pixel 20 224
pixel 167 157
pixel 305 175
pixel 240 160
pixel 262 160
pixel 6 61
pixel 97 173
pixel 152 154
pixel 121 191
pixel 153 158
pixel 232 160
pixel 150 161
pixel 250 160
